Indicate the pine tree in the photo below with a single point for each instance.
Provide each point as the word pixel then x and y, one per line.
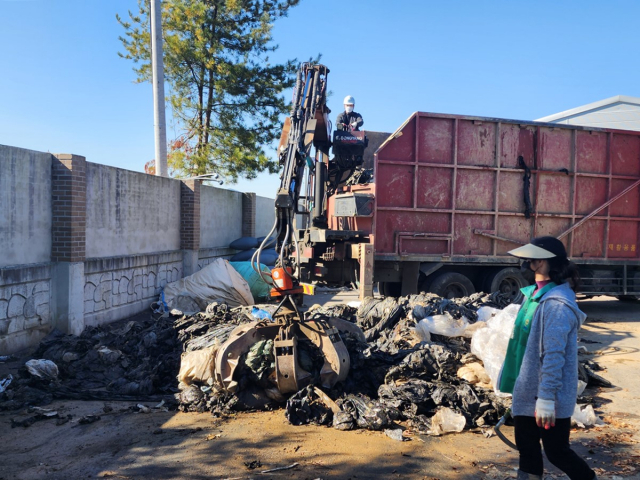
pixel 225 94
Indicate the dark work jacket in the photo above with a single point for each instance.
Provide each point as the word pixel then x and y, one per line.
pixel 349 118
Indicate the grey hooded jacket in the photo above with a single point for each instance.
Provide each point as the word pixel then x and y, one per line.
pixel 550 365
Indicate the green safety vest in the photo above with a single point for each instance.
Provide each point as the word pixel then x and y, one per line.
pixel 520 335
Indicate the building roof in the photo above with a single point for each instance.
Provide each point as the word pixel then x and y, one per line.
pixel 621 111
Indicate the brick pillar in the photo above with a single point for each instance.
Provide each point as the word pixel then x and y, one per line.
pixel 248 214
pixel 190 225
pixel 68 241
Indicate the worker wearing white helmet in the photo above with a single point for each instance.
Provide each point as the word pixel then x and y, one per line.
pixel 349 120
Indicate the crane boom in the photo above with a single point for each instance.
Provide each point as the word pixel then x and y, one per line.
pixel 306 127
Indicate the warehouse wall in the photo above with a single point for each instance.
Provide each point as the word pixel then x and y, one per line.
pixel 86 244
pixel 620 116
pixel 620 112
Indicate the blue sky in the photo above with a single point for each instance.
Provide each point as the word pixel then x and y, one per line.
pixel 63 87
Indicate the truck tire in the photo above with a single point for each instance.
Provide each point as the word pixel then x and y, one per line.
pixel 451 285
pixel 390 289
pixel 507 281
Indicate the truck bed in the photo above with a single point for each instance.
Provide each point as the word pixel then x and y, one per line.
pixel 452 187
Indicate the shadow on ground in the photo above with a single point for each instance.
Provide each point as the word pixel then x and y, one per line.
pixel 170 445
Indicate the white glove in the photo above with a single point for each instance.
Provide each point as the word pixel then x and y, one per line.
pixel 545 413
pixel 354 124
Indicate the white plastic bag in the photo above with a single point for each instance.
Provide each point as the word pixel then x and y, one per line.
pixel 42 368
pixel 504 319
pixel 441 325
pixel 490 344
pixel 446 421
pixel 486 313
pixel 581 386
pixel 585 417
pixel 473 328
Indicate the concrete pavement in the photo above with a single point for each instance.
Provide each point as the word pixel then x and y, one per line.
pixel 615 325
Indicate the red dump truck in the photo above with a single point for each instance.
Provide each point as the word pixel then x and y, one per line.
pixel 452 194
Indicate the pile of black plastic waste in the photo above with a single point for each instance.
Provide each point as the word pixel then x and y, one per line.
pixel 132 360
pixel 394 377
pixel 121 361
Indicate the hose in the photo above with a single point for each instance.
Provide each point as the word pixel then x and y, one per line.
pixel 295 242
pixel 255 258
pixel 284 244
pixel 500 435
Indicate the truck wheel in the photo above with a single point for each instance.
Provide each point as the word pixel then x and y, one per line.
pixel 507 281
pixel 451 285
pixel 390 289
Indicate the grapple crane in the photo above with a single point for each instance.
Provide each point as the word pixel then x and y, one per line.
pixel 307 127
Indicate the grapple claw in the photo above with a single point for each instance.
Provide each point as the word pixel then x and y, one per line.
pixel 286 330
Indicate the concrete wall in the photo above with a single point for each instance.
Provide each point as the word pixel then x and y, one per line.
pixel 265 215
pixel 119 287
pixel 220 217
pixel 85 244
pixel 25 206
pixel 25 306
pixel 129 213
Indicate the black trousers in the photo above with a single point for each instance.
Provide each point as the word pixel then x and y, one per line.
pixel 556 447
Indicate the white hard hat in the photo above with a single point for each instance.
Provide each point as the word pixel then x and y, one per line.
pixel 349 100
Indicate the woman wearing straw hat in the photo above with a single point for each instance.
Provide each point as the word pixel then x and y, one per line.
pixel 541 365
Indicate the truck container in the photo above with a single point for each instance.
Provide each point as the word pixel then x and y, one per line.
pixel 453 194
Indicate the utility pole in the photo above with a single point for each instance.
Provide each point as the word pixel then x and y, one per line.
pixel 157 65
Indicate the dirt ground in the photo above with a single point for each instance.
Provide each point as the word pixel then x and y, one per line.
pixel 124 444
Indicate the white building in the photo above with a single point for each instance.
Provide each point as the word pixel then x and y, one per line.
pixel 620 112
